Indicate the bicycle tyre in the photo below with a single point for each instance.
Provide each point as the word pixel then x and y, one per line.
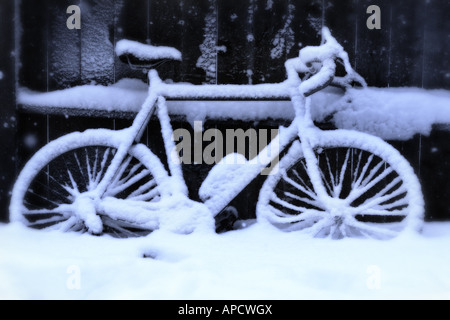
pixel 372 190
pixel 57 174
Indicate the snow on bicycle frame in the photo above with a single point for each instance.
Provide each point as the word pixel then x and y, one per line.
pixel 380 182
pixel 292 88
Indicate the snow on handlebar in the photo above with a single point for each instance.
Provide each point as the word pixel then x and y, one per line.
pixel 325 55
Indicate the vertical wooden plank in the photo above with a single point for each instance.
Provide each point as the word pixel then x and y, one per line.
pixel 33 63
pixel 434 168
pixel 307 22
pixel 436 73
pixel 433 150
pixel 341 19
pixel 274 42
pixel 165 23
pixel 250 44
pixel 97 51
pixel 406 38
pixel 193 14
pixel 31 136
pixel 282 29
pixel 434 175
pixel 33 45
pixel 131 23
pixel 7 116
pixel 234 36
pixel 117 34
pixel 63 47
pixel 133 20
pixel 165 29
pixel 372 56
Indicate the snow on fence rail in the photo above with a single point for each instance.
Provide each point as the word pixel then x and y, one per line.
pixel 390 113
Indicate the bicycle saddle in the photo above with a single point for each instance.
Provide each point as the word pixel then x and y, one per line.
pixel 140 54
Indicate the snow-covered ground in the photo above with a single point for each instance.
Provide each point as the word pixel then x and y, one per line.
pixel 254 263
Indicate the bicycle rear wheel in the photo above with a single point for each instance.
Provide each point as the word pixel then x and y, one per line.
pixel 371 190
pixel 49 192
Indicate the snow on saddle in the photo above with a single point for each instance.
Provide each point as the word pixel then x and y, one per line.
pixel 140 54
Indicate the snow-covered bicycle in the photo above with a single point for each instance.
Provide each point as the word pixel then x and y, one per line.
pixel 334 183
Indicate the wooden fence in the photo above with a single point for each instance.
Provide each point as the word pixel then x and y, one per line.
pixel 222 41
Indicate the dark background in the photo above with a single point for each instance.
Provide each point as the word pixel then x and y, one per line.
pixel 37 51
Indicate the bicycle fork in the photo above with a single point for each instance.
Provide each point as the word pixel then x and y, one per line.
pixel 306 132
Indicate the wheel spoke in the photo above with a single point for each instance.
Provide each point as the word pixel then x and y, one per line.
pixel 306 216
pixel 56 181
pixel 133 170
pixel 81 170
pixel 280 213
pixel 295 197
pixel 72 181
pixel 384 213
pixel 120 172
pixel 338 189
pixel 78 226
pixel 63 208
pixel 319 226
pixel 94 167
pixel 119 228
pixel 102 165
pixel 43 198
pixel 355 171
pixel 89 173
pixel 299 187
pixel 390 206
pixel 48 221
pixel 356 193
pixel 69 224
pixel 372 173
pixel 343 229
pixel 383 192
pixel 363 171
pixel 333 182
pixel 379 200
pixel 63 225
pixel 119 188
pixel 51 189
pixel 301 180
pixel 145 192
pixel 371 229
pixel 287 204
pixel 326 183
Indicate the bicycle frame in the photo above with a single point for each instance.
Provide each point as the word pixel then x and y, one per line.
pixel 156 101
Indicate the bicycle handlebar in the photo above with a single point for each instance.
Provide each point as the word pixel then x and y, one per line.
pixel 326 54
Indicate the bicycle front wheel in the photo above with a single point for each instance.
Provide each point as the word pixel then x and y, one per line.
pixel 371 190
pixel 48 193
